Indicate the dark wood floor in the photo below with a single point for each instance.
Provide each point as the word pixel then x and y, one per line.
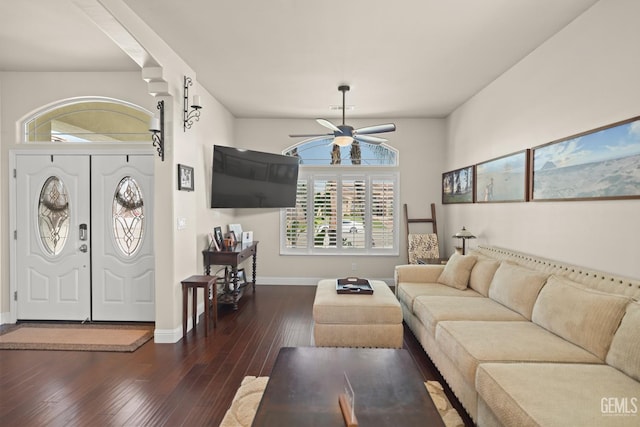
pixel 190 383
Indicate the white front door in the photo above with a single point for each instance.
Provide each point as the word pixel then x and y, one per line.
pixel 84 244
pixel 122 241
pixel 53 261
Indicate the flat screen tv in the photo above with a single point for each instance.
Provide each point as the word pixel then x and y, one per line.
pixel 252 179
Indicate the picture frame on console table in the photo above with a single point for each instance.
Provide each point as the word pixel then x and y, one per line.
pixel 503 179
pixel 457 186
pixel 218 239
pixel 604 161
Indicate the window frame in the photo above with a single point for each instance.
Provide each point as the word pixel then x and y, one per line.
pixel 340 173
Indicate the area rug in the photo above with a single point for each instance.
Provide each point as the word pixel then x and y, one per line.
pixel 247 398
pixel 77 337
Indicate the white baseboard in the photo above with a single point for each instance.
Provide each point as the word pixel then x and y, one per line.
pixel 171 336
pixel 5 318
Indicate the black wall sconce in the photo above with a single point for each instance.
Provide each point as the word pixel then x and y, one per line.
pixel 190 116
pixel 157 130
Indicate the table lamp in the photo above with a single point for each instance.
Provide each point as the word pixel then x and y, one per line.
pixel 464 234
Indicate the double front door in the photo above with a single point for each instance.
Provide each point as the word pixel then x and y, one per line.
pixel 84 237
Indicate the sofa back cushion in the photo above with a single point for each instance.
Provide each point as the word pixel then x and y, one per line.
pixel 457 271
pixel 583 316
pixel 482 274
pixel 624 353
pixel 516 287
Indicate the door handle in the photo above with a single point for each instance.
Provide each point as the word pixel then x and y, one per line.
pixel 83 231
pixel 83 248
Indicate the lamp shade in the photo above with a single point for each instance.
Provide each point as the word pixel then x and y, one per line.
pixel 464 234
pixel 342 141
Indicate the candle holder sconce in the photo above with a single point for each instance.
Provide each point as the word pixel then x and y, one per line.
pixel 194 114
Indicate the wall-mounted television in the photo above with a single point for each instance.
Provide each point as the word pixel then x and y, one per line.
pixel 252 179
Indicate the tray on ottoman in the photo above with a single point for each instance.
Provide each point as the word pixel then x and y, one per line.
pixel 353 285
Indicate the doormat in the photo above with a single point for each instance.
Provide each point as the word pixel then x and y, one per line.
pixel 75 337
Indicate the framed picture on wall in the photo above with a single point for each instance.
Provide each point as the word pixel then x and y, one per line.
pixel 457 186
pixel 603 163
pixel 503 179
pixel 185 178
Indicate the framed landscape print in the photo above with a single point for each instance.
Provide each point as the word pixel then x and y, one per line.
pixel 457 186
pixel 600 164
pixel 503 179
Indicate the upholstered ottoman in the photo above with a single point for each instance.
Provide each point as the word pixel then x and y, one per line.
pixel 345 320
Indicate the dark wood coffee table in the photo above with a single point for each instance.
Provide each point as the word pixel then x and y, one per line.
pixel 305 383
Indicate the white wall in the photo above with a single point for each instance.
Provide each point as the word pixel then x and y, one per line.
pixel 584 77
pixel 421 146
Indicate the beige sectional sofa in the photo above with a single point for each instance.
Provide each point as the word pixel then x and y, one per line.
pixel 527 341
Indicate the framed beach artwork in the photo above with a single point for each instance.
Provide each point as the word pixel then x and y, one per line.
pixel 457 186
pixel 503 179
pixel 603 164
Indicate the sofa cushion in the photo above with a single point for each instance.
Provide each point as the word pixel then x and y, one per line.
pixel 584 316
pixel 516 287
pixel 624 353
pixel 433 309
pixel 457 271
pixel 469 343
pixel 482 274
pixel 555 394
pixel 408 292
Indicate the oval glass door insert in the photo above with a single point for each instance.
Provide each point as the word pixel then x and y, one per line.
pixel 53 215
pixel 128 216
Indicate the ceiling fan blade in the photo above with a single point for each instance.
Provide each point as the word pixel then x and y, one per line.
pixel 369 139
pixel 311 135
pixel 326 123
pixel 388 127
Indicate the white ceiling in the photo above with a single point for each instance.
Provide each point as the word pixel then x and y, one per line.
pixel 286 58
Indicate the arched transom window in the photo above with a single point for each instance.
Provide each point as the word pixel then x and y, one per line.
pixel 347 201
pixel 89 120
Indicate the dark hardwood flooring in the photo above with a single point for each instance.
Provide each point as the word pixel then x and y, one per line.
pixel 189 383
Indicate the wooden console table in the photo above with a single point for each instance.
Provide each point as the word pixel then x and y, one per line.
pixel 231 258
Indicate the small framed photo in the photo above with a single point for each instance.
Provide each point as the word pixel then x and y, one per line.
pixel 213 245
pixel 247 237
pixel 237 229
pixel 218 239
pixel 185 178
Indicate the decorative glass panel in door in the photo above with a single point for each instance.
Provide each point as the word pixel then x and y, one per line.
pixel 128 216
pixel 53 215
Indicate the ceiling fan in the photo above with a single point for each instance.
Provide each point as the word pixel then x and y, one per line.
pixel 344 134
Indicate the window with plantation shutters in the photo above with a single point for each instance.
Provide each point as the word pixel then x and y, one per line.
pixel 343 209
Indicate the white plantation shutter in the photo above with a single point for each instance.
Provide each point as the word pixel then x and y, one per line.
pixel 383 212
pixel 344 213
pixel 296 219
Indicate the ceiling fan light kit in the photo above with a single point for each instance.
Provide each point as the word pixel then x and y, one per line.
pixel 344 135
